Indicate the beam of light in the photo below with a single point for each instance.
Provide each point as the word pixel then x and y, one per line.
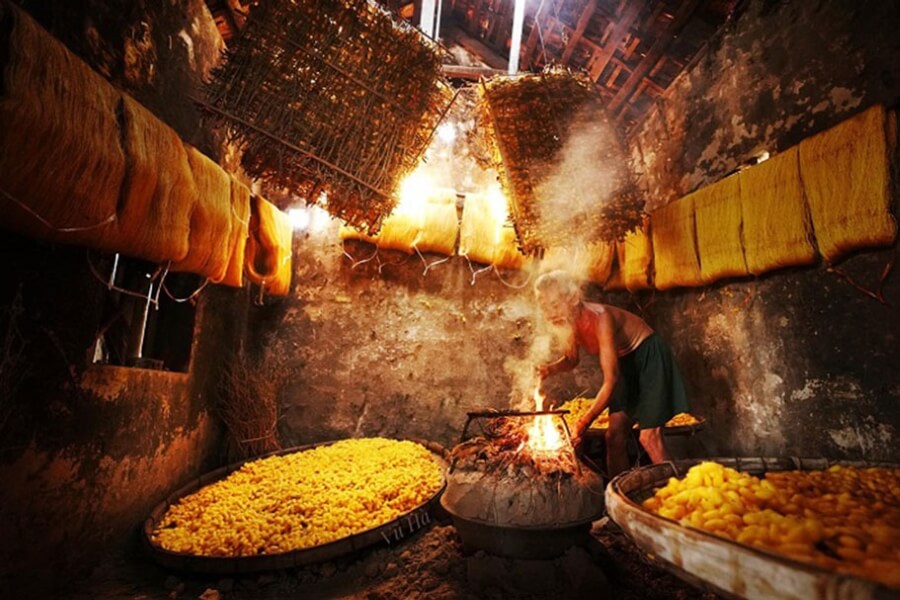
pixel 516 44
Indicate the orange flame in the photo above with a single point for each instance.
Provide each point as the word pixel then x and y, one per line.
pixel 543 435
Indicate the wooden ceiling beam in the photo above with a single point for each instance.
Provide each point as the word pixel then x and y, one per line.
pixel 550 21
pixel 656 52
pixel 602 57
pixel 470 72
pixel 583 21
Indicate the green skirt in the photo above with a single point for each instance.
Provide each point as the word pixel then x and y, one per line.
pixel 650 389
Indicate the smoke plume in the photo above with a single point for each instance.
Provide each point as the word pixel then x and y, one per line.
pixel 589 171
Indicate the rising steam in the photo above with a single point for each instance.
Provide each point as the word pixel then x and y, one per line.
pixel 589 172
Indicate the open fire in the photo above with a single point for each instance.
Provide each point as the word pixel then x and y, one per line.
pixel 544 435
pixel 517 489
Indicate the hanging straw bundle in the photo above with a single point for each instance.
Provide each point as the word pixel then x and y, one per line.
pixel 506 252
pixel 592 261
pixel 635 256
pixel 240 230
pixel 485 238
pixel 440 224
pixel 846 176
pixel 428 224
pixel 154 217
pixel 478 232
pixel 398 232
pixel 777 230
pixel 208 245
pixel 268 254
pixel 61 164
pixel 351 233
pixel 600 261
pixel 717 210
pixel 675 246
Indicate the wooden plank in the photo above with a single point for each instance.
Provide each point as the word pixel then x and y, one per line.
pixel 551 23
pixel 684 13
pixel 652 86
pixel 602 58
pixel 503 32
pixel 583 21
pixel 631 46
pixel 613 76
pixel 467 72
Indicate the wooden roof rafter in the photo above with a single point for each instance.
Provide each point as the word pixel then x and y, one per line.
pixel 620 43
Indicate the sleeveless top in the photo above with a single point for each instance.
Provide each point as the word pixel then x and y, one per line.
pixel 629 330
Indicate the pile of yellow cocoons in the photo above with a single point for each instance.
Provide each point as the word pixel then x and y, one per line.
pixel 845 519
pixel 284 503
pixel 578 407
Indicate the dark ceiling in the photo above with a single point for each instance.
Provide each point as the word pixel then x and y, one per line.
pixel 632 49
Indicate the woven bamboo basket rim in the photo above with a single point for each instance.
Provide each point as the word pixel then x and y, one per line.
pixel 196 563
pixel 627 491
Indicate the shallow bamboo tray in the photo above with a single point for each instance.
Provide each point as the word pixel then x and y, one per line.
pixel 730 568
pixel 389 533
pixel 678 430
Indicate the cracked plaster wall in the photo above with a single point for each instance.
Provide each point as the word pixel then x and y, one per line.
pixel 795 362
pixel 88 450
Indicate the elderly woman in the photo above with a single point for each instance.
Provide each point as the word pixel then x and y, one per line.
pixel 641 381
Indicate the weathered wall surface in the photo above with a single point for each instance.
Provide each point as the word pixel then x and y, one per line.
pixel 798 361
pixel 394 353
pixel 797 364
pixel 87 450
pixel 158 52
pixel 783 70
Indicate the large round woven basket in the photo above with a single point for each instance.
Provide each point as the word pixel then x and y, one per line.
pixel 723 565
pixel 389 533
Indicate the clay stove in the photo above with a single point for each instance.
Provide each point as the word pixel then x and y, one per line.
pixel 517 489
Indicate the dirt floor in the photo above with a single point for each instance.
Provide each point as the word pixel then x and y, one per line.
pixel 432 564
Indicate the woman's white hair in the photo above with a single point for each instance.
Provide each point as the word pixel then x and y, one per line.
pixel 558 285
